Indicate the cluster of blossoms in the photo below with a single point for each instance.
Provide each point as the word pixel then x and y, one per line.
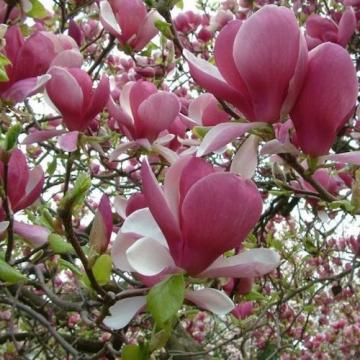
pixel 182 171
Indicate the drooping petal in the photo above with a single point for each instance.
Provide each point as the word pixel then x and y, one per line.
pixel 352 158
pixel 22 89
pixel 213 300
pixel 218 212
pixel 149 257
pixel 247 264
pixel 36 235
pixel 222 134
pixel 245 160
pixel 122 312
pixel 120 204
pixel 41 135
pixel 68 58
pixel 152 121
pixel 68 141
pixel 326 100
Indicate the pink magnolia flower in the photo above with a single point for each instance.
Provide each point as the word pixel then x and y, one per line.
pixel 319 29
pixel 129 22
pixel 31 58
pixel 144 113
pixel 24 189
pixel 243 310
pixel 205 110
pixel 26 185
pixel 326 100
pixel 261 64
pixel 185 229
pixel 71 91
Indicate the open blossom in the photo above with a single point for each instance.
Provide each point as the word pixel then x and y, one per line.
pixel 327 99
pixel 144 112
pixel 261 64
pixel 185 229
pixel 31 58
pixel 129 22
pixel 71 91
pixel 320 29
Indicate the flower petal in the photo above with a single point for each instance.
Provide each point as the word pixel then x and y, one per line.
pixel 68 141
pixel 149 257
pixel 247 264
pixel 213 300
pixel 36 235
pixel 245 160
pixel 122 312
pixel 222 134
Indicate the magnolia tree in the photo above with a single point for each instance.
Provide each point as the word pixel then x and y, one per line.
pixel 179 184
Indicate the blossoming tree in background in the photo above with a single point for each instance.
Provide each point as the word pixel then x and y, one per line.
pixel 179 184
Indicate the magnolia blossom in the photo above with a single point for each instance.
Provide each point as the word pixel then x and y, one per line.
pixel 184 229
pixel 327 99
pixel 145 113
pixel 261 64
pixel 71 91
pixel 319 29
pixel 24 187
pixel 205 110
pixel 129 22
pixel 31 58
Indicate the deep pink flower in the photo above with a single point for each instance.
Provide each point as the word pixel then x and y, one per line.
pixel 24 185
pixel 326 100
pixel 144 112
pixel 31 58
pixel 129 22
pixel 319 29
pixel 261 64
pixel 71 91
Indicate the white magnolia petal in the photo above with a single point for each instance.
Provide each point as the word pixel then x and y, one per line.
pixel 3 226
pixel 352 157
pixel 108 18
pixel 141 222
pixel 212 300
pixel 245 160
pixel 119 248
pixel 122 312
pixel 120 205
pixel 249 263
pixel 148 257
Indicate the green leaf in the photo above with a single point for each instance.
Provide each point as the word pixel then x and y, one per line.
pixel 102 269
pixel 135 352
pixel 12 136
pixel 52 166
pixel 268 353
pixel 180 4
pixel 59 246
pixel 9 274
pixel 159 339
pixel 165 299
pixel 164 28
pixel 3 62
pixel 200 131
pixel 254 295
pixel 76 196
pixel 37 10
